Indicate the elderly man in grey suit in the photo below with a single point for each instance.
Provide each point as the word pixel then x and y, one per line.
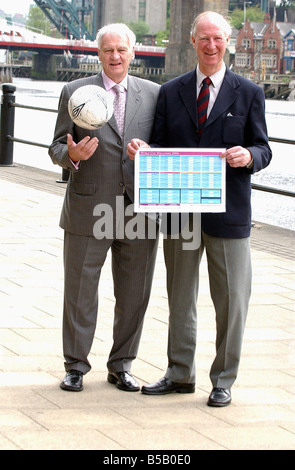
pixel 235 121
pixel 101 176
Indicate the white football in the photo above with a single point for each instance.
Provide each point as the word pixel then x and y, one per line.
pixel 90 107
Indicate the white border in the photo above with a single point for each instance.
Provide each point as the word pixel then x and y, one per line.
pixel 195 207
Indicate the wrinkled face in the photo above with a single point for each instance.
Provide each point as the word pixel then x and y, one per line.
pixel 210 44
pixel 115 55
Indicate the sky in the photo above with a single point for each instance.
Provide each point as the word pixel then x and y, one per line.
pixel 17 6
pixel 21 6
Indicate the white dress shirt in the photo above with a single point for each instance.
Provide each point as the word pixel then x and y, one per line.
pixel 214 88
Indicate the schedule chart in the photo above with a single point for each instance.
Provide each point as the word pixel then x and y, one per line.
pixel 179 180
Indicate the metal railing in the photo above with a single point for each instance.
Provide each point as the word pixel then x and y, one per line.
pixel 7 129
pixel 7 138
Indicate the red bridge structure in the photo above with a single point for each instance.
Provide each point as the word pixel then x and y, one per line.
pixel 45 49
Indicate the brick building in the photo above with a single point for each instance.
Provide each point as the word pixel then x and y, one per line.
pixel 259 48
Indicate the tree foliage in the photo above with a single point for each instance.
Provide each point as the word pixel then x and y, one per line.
pixel 38 21
pixel 252 14
pixel 140 28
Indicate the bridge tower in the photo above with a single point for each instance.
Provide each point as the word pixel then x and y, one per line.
pixel 180 55
pixel 70 17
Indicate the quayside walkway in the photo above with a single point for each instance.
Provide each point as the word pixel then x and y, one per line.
pixel 35 414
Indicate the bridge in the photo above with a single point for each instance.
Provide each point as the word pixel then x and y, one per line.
pixel 68 18
pixel 17 38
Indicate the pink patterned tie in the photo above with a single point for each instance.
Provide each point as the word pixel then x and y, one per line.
pixel 119 107
pixel 202 103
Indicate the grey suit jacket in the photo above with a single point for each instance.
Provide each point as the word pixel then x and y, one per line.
pixel 100 179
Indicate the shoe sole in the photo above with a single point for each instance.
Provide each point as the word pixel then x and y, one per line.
pixel 179 390
pixel 112 380
pixel 71 389
pixel 218 405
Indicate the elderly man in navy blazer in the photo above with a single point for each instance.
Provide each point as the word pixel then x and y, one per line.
pixel 235 122
pixel 101 181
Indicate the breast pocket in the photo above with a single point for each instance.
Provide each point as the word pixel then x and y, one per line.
pixel 233 128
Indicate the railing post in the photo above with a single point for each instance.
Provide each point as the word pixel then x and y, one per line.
pixel 64 176
pixel 7 124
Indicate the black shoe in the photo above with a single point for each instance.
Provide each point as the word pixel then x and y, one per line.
pixel 164 386
pixel 73 381
pixel 219 397
pixel 123 381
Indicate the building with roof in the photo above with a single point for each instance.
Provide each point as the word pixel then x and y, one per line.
pixel 289 52
pixel 260 48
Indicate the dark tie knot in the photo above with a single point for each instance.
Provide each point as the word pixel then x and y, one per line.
pixel 207 81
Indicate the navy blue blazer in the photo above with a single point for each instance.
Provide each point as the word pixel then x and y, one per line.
pixel 237 118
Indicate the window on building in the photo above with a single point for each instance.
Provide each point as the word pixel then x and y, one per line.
pixel 271 44
pixel 142 10
pixel 246 43
pixel 243 60
pixel 270 60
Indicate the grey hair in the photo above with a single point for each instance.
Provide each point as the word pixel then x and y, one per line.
pixel 116 29
pixel 216 18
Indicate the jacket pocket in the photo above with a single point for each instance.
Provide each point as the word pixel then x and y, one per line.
pixel 238 207
pixel 85 189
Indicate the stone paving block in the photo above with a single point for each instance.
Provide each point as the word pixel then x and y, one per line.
pixel 252 438
pixel 36 414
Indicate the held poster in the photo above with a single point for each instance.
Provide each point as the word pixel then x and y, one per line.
pixel 179 180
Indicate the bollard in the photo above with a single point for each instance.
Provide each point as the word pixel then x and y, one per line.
pixel 64 176
pixel 7 124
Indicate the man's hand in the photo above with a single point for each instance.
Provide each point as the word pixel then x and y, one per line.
pixel 83 150
pixel 134 145
pixel 237 156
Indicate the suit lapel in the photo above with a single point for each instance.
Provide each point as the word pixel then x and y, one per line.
pixel 188 93
pixel 98 80
pixel 133 103
pixel 227 95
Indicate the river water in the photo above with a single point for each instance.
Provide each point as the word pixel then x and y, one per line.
pixel 38 126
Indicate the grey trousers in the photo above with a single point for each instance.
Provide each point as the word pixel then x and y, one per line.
pixel 230 277
pixel 133 264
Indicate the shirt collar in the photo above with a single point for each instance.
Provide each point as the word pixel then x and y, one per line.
pixel 216 78
pixel 109 83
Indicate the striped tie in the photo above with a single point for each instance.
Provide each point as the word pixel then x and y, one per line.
pixel 202 103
